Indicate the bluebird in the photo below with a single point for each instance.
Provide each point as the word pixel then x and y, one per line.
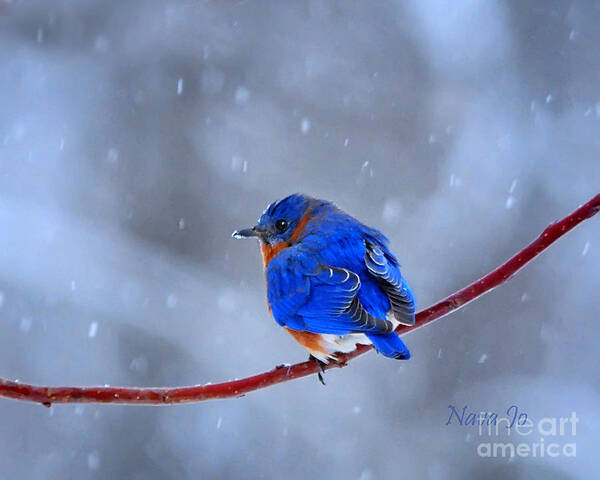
pixel 332 282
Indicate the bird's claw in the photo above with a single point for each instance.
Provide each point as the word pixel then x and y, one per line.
pixel 321 366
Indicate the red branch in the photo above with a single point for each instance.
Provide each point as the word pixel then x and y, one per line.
pixel 237 388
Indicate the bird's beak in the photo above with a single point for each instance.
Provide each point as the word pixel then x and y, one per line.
pixel 248 233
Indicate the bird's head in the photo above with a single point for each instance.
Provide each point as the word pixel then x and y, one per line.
pixel 279 221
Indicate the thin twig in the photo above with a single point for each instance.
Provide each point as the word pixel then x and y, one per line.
pixel 238 388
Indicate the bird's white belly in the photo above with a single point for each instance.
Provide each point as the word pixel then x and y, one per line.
pixel 340 344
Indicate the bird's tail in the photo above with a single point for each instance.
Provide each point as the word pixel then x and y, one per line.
pixel 390 345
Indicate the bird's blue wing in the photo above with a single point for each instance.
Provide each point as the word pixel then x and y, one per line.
pixel 308 296
pixel 387 272
pixel 334 306
pixel 288 288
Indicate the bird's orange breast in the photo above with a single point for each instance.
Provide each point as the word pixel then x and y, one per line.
pixel 313 342
pixel 270 251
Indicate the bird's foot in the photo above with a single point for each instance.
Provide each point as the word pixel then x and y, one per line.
pixel 321 366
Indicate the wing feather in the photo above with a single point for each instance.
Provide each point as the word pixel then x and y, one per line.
pixel 392 283
pixel 318 298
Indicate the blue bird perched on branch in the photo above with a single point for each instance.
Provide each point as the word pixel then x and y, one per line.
pixel 332 282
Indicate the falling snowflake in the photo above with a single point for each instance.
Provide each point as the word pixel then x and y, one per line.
pixel 242 95
pixel 113 155
pixel 584 252
pixel 139 364
pixel 305 126
pixel 171 301
pixel 93 460
pixel 93 330
pixel 26 323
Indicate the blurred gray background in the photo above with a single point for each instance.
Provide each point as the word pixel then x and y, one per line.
pixel 135 136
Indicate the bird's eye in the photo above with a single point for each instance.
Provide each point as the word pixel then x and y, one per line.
pixel 281 225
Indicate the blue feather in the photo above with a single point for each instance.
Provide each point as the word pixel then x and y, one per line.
pixel 390 345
